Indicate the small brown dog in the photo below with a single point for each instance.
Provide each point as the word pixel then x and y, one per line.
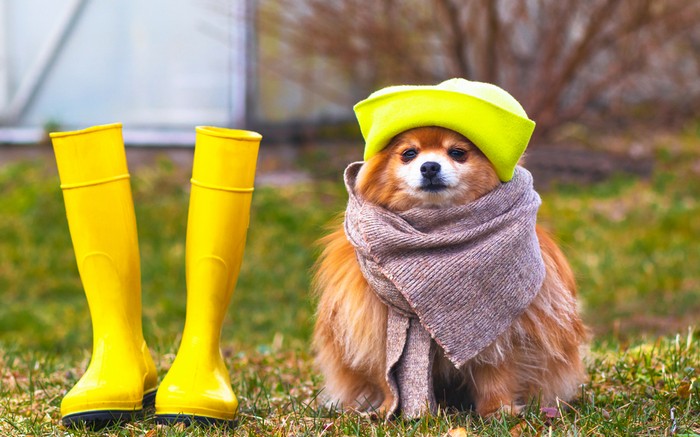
pixel 538 357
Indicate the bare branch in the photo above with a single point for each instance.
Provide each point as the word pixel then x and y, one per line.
pixel 457 41
pixel 563 59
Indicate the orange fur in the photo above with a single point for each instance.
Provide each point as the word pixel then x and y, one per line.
pixel 538 357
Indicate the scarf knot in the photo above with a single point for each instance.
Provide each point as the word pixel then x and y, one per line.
pixel 459 276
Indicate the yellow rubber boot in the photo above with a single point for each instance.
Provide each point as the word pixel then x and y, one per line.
pixel 121 377
pixel 197 386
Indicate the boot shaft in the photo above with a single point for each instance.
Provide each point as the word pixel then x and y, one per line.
pixel 223 174
pixel 99 208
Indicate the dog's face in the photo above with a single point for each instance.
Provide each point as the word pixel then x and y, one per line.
pixel 427 167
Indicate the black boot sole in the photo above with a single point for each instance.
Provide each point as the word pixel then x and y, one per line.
pixel 188 420
pixel 102 418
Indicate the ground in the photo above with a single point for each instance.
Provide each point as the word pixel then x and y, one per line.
pixel 631 238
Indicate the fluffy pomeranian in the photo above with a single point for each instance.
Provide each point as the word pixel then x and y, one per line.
pixel 537 359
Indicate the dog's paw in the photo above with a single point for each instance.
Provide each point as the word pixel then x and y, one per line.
pixel 499 411
pixel 384 412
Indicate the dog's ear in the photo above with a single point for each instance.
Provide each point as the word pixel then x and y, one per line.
pixel 374 176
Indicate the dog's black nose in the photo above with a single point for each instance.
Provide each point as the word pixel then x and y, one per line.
pixel 429 169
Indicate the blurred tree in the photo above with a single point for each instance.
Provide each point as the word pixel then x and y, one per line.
pixel 564 60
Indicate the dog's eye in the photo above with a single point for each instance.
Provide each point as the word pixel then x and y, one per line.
pixel 458 155
pixel 408 154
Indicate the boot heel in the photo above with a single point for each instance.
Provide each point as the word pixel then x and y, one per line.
pixel 149 399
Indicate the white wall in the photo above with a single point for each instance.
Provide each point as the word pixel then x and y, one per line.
pixel 148 63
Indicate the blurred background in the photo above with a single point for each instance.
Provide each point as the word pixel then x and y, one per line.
pixel 614 86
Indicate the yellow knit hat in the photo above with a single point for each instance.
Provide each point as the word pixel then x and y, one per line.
pixel 486 114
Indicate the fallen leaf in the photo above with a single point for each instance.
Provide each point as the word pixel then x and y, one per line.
pixel 684 390
pixel 457 432
pixel 518 429
pixel 550 412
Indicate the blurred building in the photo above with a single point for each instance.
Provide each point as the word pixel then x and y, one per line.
pixel 159 66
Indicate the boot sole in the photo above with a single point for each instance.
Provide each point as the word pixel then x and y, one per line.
pixel 98 419
pixel 103 418
pixel 188 420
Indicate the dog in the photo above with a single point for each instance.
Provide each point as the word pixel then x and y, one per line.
pixel 539 358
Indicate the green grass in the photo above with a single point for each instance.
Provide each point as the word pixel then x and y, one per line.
pixel 633 391
pixel 633 244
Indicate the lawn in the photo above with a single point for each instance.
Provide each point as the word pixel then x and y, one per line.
pixel 634 245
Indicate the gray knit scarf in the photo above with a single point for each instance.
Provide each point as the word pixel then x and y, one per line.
pixel 458 275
